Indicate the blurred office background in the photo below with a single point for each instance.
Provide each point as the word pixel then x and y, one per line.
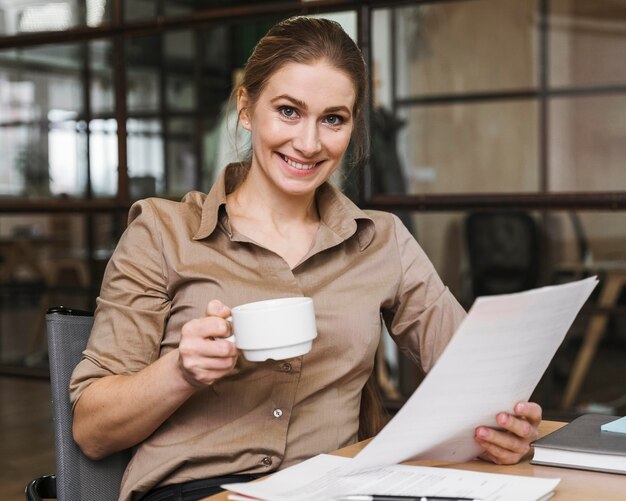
pixel 498 132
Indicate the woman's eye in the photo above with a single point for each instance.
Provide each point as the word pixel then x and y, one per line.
pixel 287 112
pixel 334 120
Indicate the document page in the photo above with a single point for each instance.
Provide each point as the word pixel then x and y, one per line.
pixel 494 360
pixel 320 479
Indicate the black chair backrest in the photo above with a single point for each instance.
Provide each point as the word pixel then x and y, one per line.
pixel 504 250
pixel 78 478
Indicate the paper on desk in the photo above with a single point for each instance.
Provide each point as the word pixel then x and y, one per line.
pixel 320 479
pixel 495 359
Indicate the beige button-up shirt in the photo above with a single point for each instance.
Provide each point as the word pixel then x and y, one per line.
pixel 176 256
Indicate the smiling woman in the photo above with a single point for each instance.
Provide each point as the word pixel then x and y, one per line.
pixel 159 373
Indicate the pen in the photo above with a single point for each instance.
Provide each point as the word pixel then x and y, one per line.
pixel 384 497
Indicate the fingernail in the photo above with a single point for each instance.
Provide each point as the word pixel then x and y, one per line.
pixel 520 408
pixel 503 419
pixel 482 433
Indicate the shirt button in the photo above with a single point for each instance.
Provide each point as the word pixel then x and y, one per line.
pixel 267 461
pixel 285 367
pixel 277 413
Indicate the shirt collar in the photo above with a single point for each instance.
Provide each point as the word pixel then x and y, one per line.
pixel 337 211
pixel 342 216
pixel 232 175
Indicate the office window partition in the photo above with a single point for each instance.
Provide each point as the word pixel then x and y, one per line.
pixel 475 104
pixel 504 105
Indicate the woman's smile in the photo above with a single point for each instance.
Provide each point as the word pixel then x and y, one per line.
pixel 303 167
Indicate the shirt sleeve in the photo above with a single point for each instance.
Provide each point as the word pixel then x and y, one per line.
pixel 425 313
pixel 132 307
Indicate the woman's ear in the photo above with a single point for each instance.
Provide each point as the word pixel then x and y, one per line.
pixel 243 108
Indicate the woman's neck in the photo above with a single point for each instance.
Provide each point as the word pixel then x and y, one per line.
pixel 255 199
pixel 286 225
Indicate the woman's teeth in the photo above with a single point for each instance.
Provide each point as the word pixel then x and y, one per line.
pixel 297 165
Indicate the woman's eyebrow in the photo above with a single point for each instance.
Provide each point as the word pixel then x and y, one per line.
pixel 302 105
pixel 297 102
pixel 334 109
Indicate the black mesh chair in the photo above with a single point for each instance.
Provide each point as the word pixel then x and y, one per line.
pixel 77 477
pixel 504 251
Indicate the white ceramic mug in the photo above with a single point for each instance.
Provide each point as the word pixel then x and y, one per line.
pixel 275 328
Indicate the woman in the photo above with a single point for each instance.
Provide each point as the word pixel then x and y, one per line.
pixel 158 374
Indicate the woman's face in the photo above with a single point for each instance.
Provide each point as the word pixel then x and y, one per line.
pixel 301 125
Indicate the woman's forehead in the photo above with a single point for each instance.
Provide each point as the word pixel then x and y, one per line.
pixel 316 84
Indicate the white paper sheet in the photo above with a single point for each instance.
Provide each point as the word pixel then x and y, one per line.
pixel 495 359
pixel 320 479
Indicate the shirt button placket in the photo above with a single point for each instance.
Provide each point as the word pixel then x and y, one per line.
pixel 277 413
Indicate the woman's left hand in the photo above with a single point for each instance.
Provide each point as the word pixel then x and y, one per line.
pixel 512 443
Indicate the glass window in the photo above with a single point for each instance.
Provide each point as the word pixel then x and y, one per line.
pixel 40 99
pixel 67 140
pixel 587 146
pixel 98 11
pixel 179 65
pixel 450 47
pixel 146 166
pixel 139 9
pixel 101 87
pixel 181 157
pixel 587 42
pixel 178 8
pixel 143 60
pixel 103 157
pixel 476 148
pixel 27 16
pixel 23 169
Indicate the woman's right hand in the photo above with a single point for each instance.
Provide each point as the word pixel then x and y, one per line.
pixel 204 353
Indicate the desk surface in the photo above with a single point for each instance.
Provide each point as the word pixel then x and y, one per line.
pixel 575 484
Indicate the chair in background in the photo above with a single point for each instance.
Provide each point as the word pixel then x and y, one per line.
pixel 77 477
pixel 504 251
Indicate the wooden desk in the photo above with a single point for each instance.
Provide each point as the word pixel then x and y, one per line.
pixel 612 280
pixel 575 485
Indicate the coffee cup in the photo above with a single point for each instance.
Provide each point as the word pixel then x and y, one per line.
pixel 274 328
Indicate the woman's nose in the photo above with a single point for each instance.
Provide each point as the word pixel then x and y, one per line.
pixel 307 140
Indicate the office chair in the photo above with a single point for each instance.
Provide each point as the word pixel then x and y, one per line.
pixel 77 477
pixel 504 251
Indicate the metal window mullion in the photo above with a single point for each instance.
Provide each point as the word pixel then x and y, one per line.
pixel 543 95
pixel 120 85
pixel 364 23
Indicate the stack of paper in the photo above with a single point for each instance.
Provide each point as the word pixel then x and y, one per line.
pixel 321 478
